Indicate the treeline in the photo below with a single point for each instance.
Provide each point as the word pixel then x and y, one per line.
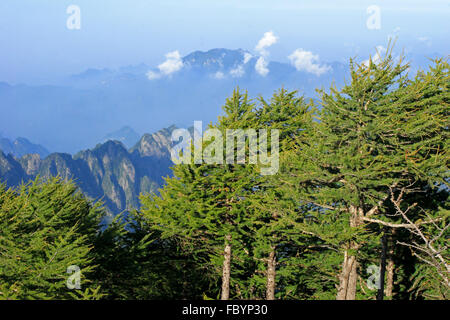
pixel 359 208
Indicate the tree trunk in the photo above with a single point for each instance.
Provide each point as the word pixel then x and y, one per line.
pixel 349 276
pixel 390 277
pixel 380 293
pixel 390 266
pixel 347 279
pixel 226 269
pixel 271 274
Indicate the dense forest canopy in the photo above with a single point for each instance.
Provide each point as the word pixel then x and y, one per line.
pixel 359 208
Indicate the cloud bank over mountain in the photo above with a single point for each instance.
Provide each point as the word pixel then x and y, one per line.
pixel 84 107
pixel 307 61
pixel 172 64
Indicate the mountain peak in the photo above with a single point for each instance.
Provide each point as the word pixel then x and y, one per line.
pixel 126 135
pixel 216 58
pixel 110 147
pixel 21 146
pixel 157 144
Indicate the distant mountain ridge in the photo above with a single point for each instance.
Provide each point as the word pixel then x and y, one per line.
pixel 109 171
pixel 85 106
pixel 126 135
pixel 21 146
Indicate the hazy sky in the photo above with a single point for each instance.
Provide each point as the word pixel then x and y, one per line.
pixel 37 47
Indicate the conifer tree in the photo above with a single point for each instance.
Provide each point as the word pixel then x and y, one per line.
pixel 271 229
pixel 379 134
pixel 205 206
pixel 47 227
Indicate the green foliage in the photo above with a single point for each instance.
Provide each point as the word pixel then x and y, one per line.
pixel 369 164
pixel 204 204
pixel 381 135
pixel 45 228
pixel 135 262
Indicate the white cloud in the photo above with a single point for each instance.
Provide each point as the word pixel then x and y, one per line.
pixel 261 66
pixel 172 64
pixel 219 75
pixel 238 71
pixel 151 75
pixel 304 60
pixel 247 57
pixel 268 40
pixel 376 57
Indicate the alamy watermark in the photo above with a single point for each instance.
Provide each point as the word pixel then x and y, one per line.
pixel 374 281
pixel 74 280
pixel 74 20
pixel 209 147
pixel 373 22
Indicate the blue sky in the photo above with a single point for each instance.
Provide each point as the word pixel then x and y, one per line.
pixel 37 47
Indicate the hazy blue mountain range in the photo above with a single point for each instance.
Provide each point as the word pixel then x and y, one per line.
pixel 21 146
pixel 109 172
pixel 126 135
pixel 76 113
